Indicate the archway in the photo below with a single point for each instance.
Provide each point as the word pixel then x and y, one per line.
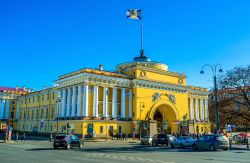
pixel 163 118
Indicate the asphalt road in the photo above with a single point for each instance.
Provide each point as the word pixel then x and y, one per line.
pixel 113 152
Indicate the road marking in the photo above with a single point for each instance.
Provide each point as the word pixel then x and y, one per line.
pixel 150 160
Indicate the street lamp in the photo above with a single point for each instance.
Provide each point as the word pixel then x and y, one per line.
pixel 214 69
pixel 58 109
pixel 142 106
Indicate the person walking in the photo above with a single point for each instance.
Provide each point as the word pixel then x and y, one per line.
pixel 16 136
pixel 24 136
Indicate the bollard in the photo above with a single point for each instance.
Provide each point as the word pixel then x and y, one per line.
pixel 247 143
pixel 230 143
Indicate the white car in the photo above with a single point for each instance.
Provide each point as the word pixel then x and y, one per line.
pixel 182 141
pixel 146 140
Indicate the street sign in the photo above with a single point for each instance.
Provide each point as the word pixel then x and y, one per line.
pixel 3 126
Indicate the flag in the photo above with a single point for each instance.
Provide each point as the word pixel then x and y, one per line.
pixel 134 14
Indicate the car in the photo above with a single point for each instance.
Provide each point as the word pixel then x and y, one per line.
pixel 182 141
pixel 211 142
pixel 67 141
pixel 146 140
pixel 171 138
pixel 160 139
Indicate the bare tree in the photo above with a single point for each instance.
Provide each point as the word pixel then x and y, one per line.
pixel 234 97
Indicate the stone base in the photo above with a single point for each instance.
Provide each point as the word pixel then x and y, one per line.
pixel 152 128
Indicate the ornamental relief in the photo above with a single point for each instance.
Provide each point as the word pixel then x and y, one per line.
pixel 157 96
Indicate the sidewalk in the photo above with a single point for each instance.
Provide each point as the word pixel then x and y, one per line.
pixel 239 147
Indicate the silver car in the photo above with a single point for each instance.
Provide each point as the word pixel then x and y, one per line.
pixel 146 140
pixel 182 141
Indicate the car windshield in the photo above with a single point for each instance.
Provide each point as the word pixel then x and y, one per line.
pixel 221 138
pixel 60 137
pixel 162 136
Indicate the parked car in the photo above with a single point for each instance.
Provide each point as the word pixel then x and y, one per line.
pixel 211 142
pixel 67 141
pixel 146 140
pixel 160 139
pixel 182 141
pixel 170 138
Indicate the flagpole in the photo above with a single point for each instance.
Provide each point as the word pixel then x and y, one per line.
pixel 142 51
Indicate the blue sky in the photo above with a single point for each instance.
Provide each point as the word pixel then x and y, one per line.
pixel 42 39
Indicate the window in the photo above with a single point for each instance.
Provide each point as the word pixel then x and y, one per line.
pixel 51 127
pixel 42 97
pixel 52 113
pixel 13 102
pixel 38 97
pixel 46 114
pixel 25 101
pixel 29 100
pixel 207 138
pixel 53 96
pixel 33 99
pixel 28 117
pixel 41 114
pixel 202 138
pixel 47 96
pixel 32 115
pixel 101 129
pixel 36 113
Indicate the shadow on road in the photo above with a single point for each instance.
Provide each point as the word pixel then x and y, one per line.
pixel 40 149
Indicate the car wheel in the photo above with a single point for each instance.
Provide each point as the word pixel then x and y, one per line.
pixel 194 147
pixel 212 148
pixel 172 146
pixel 55 147
pixel 68 146
pixel 156 144
pixel 182 146
pixel 225 149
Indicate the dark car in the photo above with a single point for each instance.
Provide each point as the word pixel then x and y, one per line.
pixel 160 139
pixel 67 141
pixel 211 142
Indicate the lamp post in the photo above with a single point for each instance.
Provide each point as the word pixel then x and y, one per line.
pixel 214 69
pixel 140 124
pixel 58 109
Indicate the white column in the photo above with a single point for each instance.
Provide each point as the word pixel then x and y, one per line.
pixel 1 108
pixel 85 100
pixel 63 102
pixel 73 111
pixel 191 107
pixel 79 101
pixel 96 104
pixel 202 109
pixel 197 109
pixel 105 102
pixel 123 103
pixel 58 104
pixel 6 116
pixel 130 109
pixel 68 102
pixel 17 108
pixel 206 110
pixel 114 103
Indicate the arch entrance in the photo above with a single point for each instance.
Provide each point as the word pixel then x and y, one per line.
pixel 164 118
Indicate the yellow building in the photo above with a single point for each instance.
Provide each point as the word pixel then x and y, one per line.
pixel 8 98
pixel 141 97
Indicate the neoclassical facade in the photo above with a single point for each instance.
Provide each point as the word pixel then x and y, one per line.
pixel 8 98
pixel 140 97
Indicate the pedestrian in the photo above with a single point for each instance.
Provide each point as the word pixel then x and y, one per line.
pixel 117 135
pixel 16 136
pixel 126 136
pixel 120 136
pixel 24 136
